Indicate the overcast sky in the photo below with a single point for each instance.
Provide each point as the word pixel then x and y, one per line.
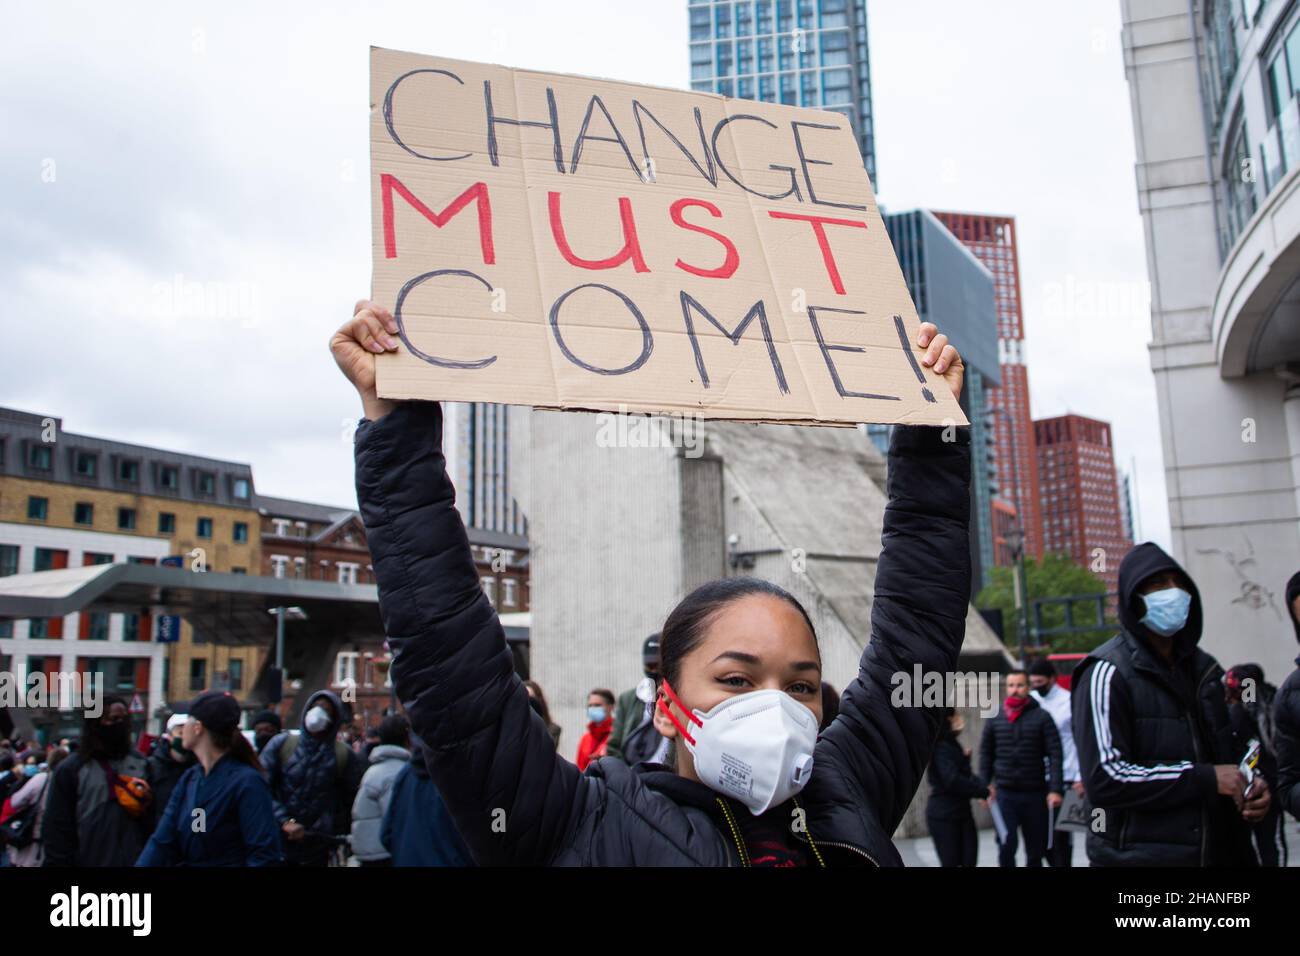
pixel 229 147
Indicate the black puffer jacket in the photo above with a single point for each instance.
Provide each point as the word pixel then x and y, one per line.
pixel 952 785
pixel 1286 721
pixel 1022 754
pixel 490 754
pixel 1149 734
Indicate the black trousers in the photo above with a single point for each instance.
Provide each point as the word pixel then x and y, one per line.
pixel 1023 811
pixel 955 840
pixel 1270 836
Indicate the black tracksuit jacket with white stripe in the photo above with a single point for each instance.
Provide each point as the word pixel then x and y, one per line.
pixel 1286 721
pixel 1149 733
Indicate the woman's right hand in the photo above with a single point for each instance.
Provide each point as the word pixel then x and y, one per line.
pixel 368 333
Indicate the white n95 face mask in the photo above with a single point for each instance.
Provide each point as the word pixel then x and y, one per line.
pixel 317 719
pixel 756 748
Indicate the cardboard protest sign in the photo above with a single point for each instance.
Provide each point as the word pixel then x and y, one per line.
pixel 572 243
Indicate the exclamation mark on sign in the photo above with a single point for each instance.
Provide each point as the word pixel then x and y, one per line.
pixel 911 357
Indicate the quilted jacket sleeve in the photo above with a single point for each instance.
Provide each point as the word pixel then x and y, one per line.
pixel 514 800
pixel 918 618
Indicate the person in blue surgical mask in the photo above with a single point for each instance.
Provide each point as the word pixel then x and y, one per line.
pixel 1157 752
pixel 600 724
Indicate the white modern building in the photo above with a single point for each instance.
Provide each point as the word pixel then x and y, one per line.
pixel 122 647
pixel 1217 130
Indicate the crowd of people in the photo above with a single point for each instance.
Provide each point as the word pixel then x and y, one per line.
pixel 1175 761
pixel 204 794
pixel 731 750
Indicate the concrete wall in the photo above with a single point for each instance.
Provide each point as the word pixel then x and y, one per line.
pixel 1232 499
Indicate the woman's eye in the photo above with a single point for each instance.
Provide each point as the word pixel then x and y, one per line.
pixel 802 689
pixel 734 680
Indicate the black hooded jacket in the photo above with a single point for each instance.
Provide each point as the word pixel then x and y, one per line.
pixel 1286 721
pixel 491 757
pixel 1149 734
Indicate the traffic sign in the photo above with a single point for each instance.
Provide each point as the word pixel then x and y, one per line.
pixel 137 704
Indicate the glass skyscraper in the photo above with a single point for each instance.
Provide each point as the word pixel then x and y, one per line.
pixel 798 52
pixel 957 292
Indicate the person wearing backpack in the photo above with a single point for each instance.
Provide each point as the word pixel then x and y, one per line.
pixel 314 779
pixel 20 827
pixel 99 811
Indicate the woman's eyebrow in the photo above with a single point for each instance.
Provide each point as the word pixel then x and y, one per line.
pixel 754 661
pixel 740 656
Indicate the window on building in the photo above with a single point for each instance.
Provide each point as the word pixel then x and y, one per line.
pixel 722 12
pixel 166 522
pixel 744 20
pixel 239 570
pixel 205 483
pixel 281 526
pixel 700 23
pixel 278 564
pixel 203 527
pixel 8 560
pixel 94 626
pixel 345 669
pixel 40 458
pixel 85 464
pixel 126 519
pixel 128 471
pixel 347 573
pixel 236 669
pixel 90 558
pixel 240 489
pixel 490 589
pixel 38 509
pixel 508 587
pixel 835 50
pixel 240 533
pixel 198 674
pixel 701 61
pixel 50 559
pixel 299 568
pixel 169 477
pixel 83 512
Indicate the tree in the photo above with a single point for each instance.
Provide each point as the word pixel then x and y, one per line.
pixel 1054 576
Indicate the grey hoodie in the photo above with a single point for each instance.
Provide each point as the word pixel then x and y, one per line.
pixel 386 762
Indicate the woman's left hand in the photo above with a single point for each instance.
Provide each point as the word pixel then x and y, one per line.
pixel 941 356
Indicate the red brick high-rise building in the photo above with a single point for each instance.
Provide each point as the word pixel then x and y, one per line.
pixel 1080 498
pixel 992 239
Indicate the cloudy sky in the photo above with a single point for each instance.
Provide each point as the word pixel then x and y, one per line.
pixel 224 148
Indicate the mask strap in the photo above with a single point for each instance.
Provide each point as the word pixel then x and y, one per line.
pixel 671 716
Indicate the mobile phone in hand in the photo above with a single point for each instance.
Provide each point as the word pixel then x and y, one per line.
pixel 1249 765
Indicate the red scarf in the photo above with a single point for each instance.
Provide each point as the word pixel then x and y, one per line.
pixel 1014 706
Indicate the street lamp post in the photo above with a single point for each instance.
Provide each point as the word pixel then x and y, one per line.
pixel 1015 539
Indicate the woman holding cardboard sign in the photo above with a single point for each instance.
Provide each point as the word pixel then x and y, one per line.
pixel 755 784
